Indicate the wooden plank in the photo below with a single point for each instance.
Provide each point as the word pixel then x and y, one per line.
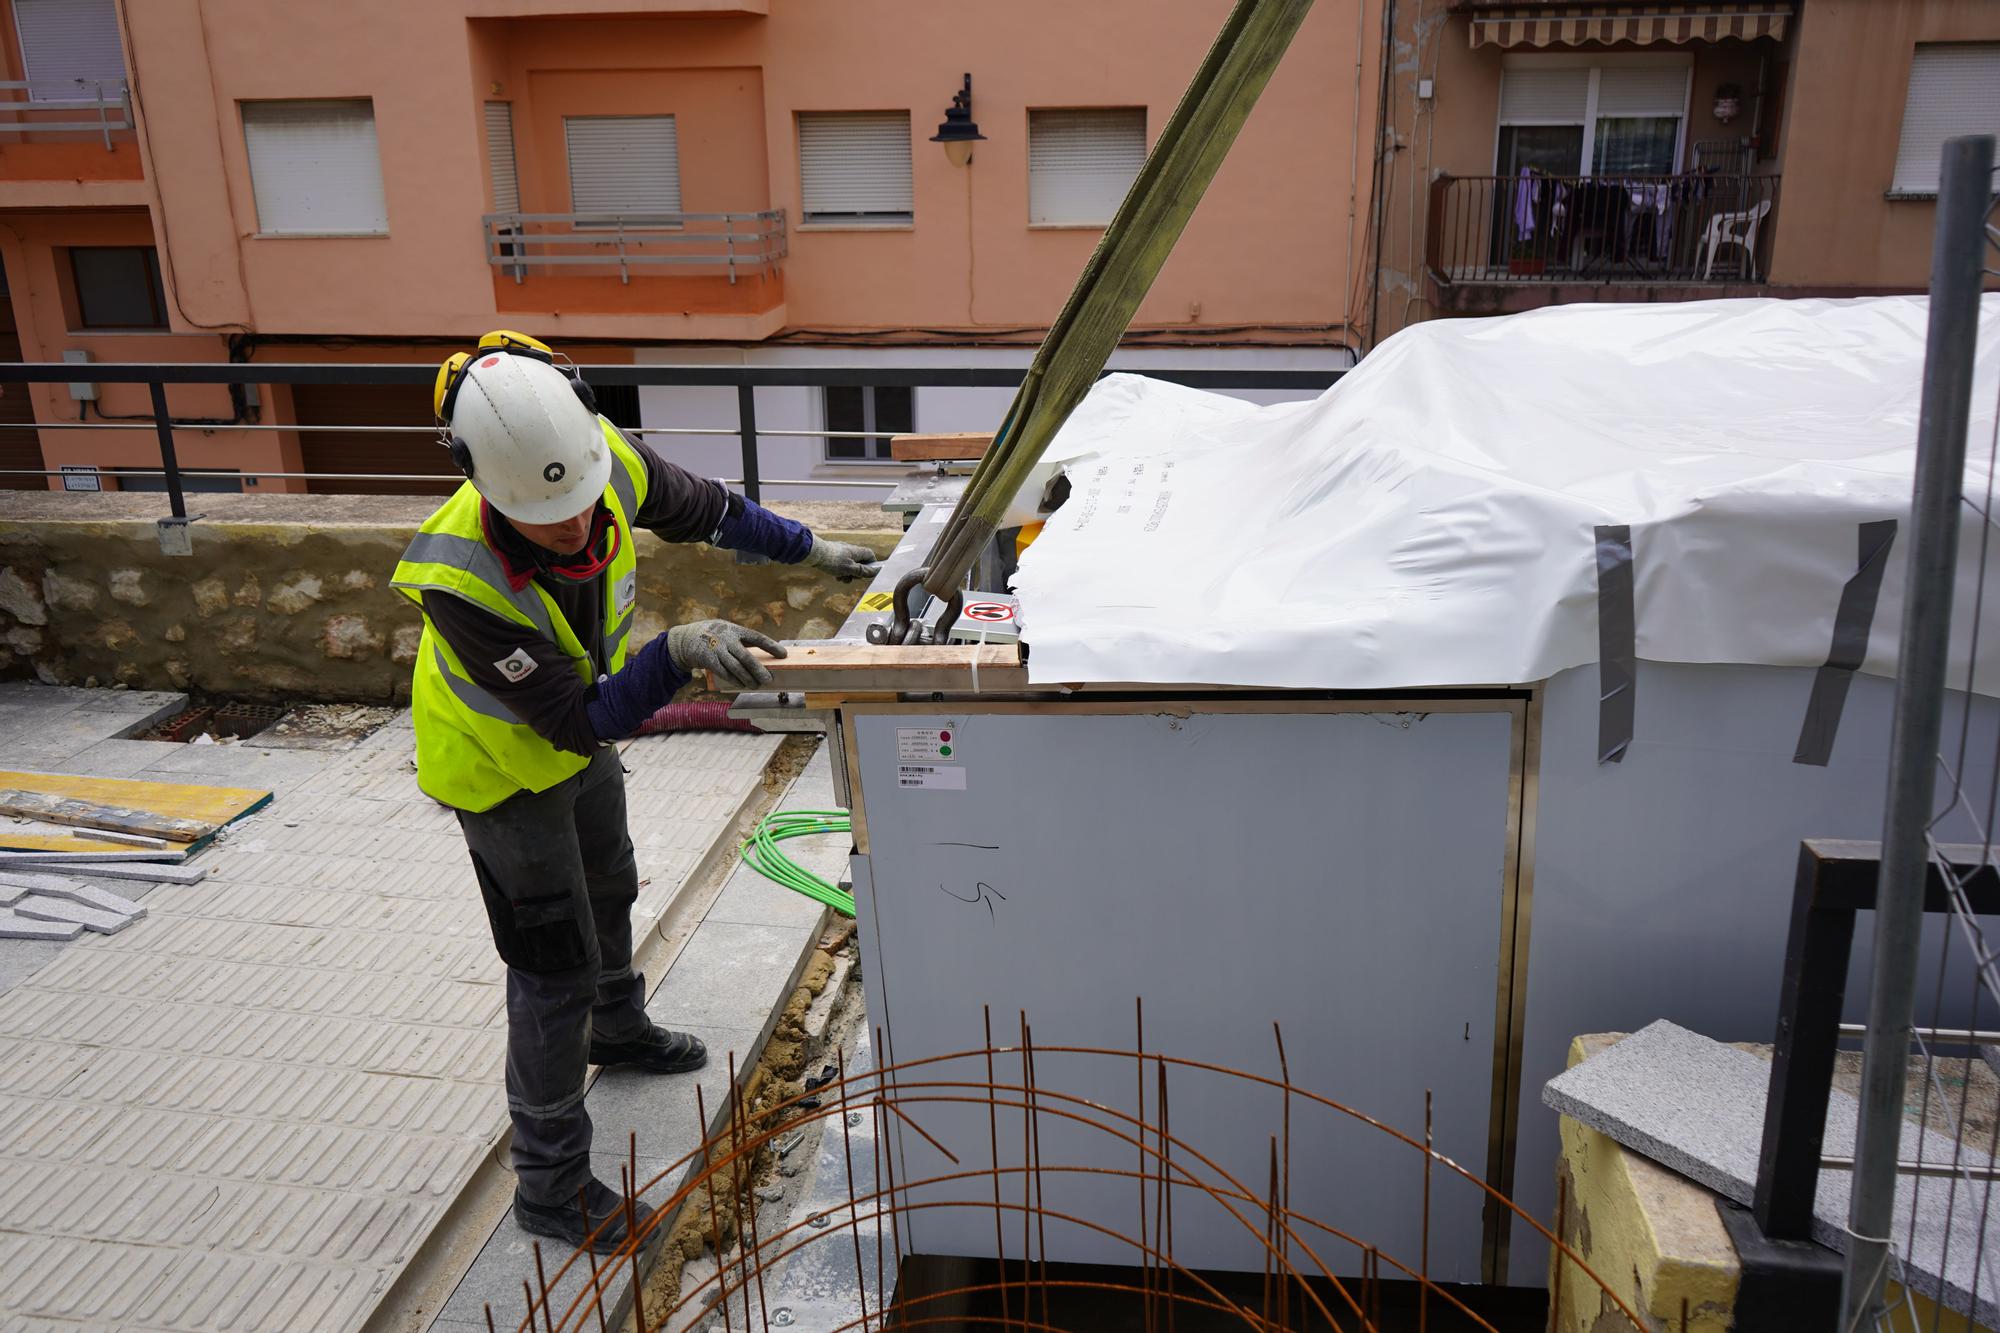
pixel 858 668
pixel 78 844
pixel 74 810
pixel 941 448
pixel 211 806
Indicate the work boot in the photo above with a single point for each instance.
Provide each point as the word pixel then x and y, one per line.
pixel 654 1051
pixel 565 1222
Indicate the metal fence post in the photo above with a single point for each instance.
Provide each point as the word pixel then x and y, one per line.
pixel 1957 257
pixel 746 425
pixel 175 539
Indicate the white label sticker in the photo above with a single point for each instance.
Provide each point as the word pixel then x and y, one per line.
pixel 516 665
pixel 628 592
pixel 938 778
pixel 928 745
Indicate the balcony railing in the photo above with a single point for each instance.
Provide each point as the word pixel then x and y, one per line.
pixel 652 243
pixel 1691 228
pixel 103 106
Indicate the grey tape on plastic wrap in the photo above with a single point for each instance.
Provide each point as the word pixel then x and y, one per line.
pixel 1851 626
pixel 1617 651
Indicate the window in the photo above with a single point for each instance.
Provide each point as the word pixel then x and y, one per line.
pixel 314 168
pixel 854 168
pixel 118 287
pixel 1081 163
pixel 885 408
pixel 64 41
pixel 1954 90
pixel 1568 119
pixel 629 165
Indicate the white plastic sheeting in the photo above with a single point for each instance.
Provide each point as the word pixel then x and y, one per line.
pixel 1430 519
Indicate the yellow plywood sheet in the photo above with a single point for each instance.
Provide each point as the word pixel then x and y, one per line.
pixel 171 802
pixel 63 842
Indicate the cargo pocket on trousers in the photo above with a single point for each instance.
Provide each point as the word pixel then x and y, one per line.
pixel 537 934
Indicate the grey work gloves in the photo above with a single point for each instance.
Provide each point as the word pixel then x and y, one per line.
pixel 843 560
pixel 718 646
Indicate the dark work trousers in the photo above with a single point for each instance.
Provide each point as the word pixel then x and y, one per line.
pixel 559 880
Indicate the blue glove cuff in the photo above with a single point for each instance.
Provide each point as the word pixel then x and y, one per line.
pixel 748 526
pixel 618 704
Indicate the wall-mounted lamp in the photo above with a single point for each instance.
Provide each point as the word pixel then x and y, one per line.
pixel 959 131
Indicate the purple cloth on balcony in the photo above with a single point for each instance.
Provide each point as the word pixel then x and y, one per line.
pixel 1527 194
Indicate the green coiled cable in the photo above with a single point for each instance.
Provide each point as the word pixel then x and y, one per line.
pixel 761 854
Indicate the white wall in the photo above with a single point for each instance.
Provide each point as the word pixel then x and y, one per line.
pixel 802 459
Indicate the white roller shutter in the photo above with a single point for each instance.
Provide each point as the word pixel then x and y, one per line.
pixel 66 40
pixel 1954 90
pixel 854 166
pixel 500 157
pixel 624 164
pixel 1544 96
pixel 315 168
pixel 1081 163
pixel 1642 90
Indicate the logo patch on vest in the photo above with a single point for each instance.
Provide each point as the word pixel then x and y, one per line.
pixel 516 665
pixel 626 593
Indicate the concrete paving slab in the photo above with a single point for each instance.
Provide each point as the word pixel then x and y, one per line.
pixel 119 758
pixel 28 926
pixel 16 883
pixel 662 1110
pixel 1696 1106
pixel 727 972
pixel 44 908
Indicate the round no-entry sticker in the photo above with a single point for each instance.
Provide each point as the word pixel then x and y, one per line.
pixel 988 611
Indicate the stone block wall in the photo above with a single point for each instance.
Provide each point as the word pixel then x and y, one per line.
pixel 288 597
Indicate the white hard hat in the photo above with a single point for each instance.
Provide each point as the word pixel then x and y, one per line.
pixel 536 452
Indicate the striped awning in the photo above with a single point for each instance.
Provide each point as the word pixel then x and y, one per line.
pixel 1547 25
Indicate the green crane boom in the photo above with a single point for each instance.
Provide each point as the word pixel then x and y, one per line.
pixel 1121 270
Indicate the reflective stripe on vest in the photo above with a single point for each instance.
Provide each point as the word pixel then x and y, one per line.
pixel 472 751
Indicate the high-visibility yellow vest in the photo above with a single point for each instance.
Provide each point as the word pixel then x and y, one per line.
pixel 472 751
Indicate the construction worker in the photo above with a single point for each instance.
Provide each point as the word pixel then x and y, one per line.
pixel 527 582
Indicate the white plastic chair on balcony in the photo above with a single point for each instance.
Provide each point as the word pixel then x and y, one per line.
pixel 1732 229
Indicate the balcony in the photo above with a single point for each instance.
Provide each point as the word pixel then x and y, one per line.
pixel 73 139
pixel 691 263
pixel 1502 243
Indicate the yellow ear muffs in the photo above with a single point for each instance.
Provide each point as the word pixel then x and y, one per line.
pixel 444 393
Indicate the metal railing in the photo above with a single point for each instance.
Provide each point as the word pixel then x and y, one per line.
pixel 105 96
pixel 583 242
pixel 1688 228
pixel 1937 860
pixel 744 379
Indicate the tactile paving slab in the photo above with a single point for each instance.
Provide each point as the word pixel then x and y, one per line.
pixel 251 1108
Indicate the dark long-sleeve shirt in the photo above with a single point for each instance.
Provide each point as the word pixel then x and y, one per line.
pixel 550 698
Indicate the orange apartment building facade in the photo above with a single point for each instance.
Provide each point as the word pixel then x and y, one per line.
pixel 752 182
pixel 709 181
